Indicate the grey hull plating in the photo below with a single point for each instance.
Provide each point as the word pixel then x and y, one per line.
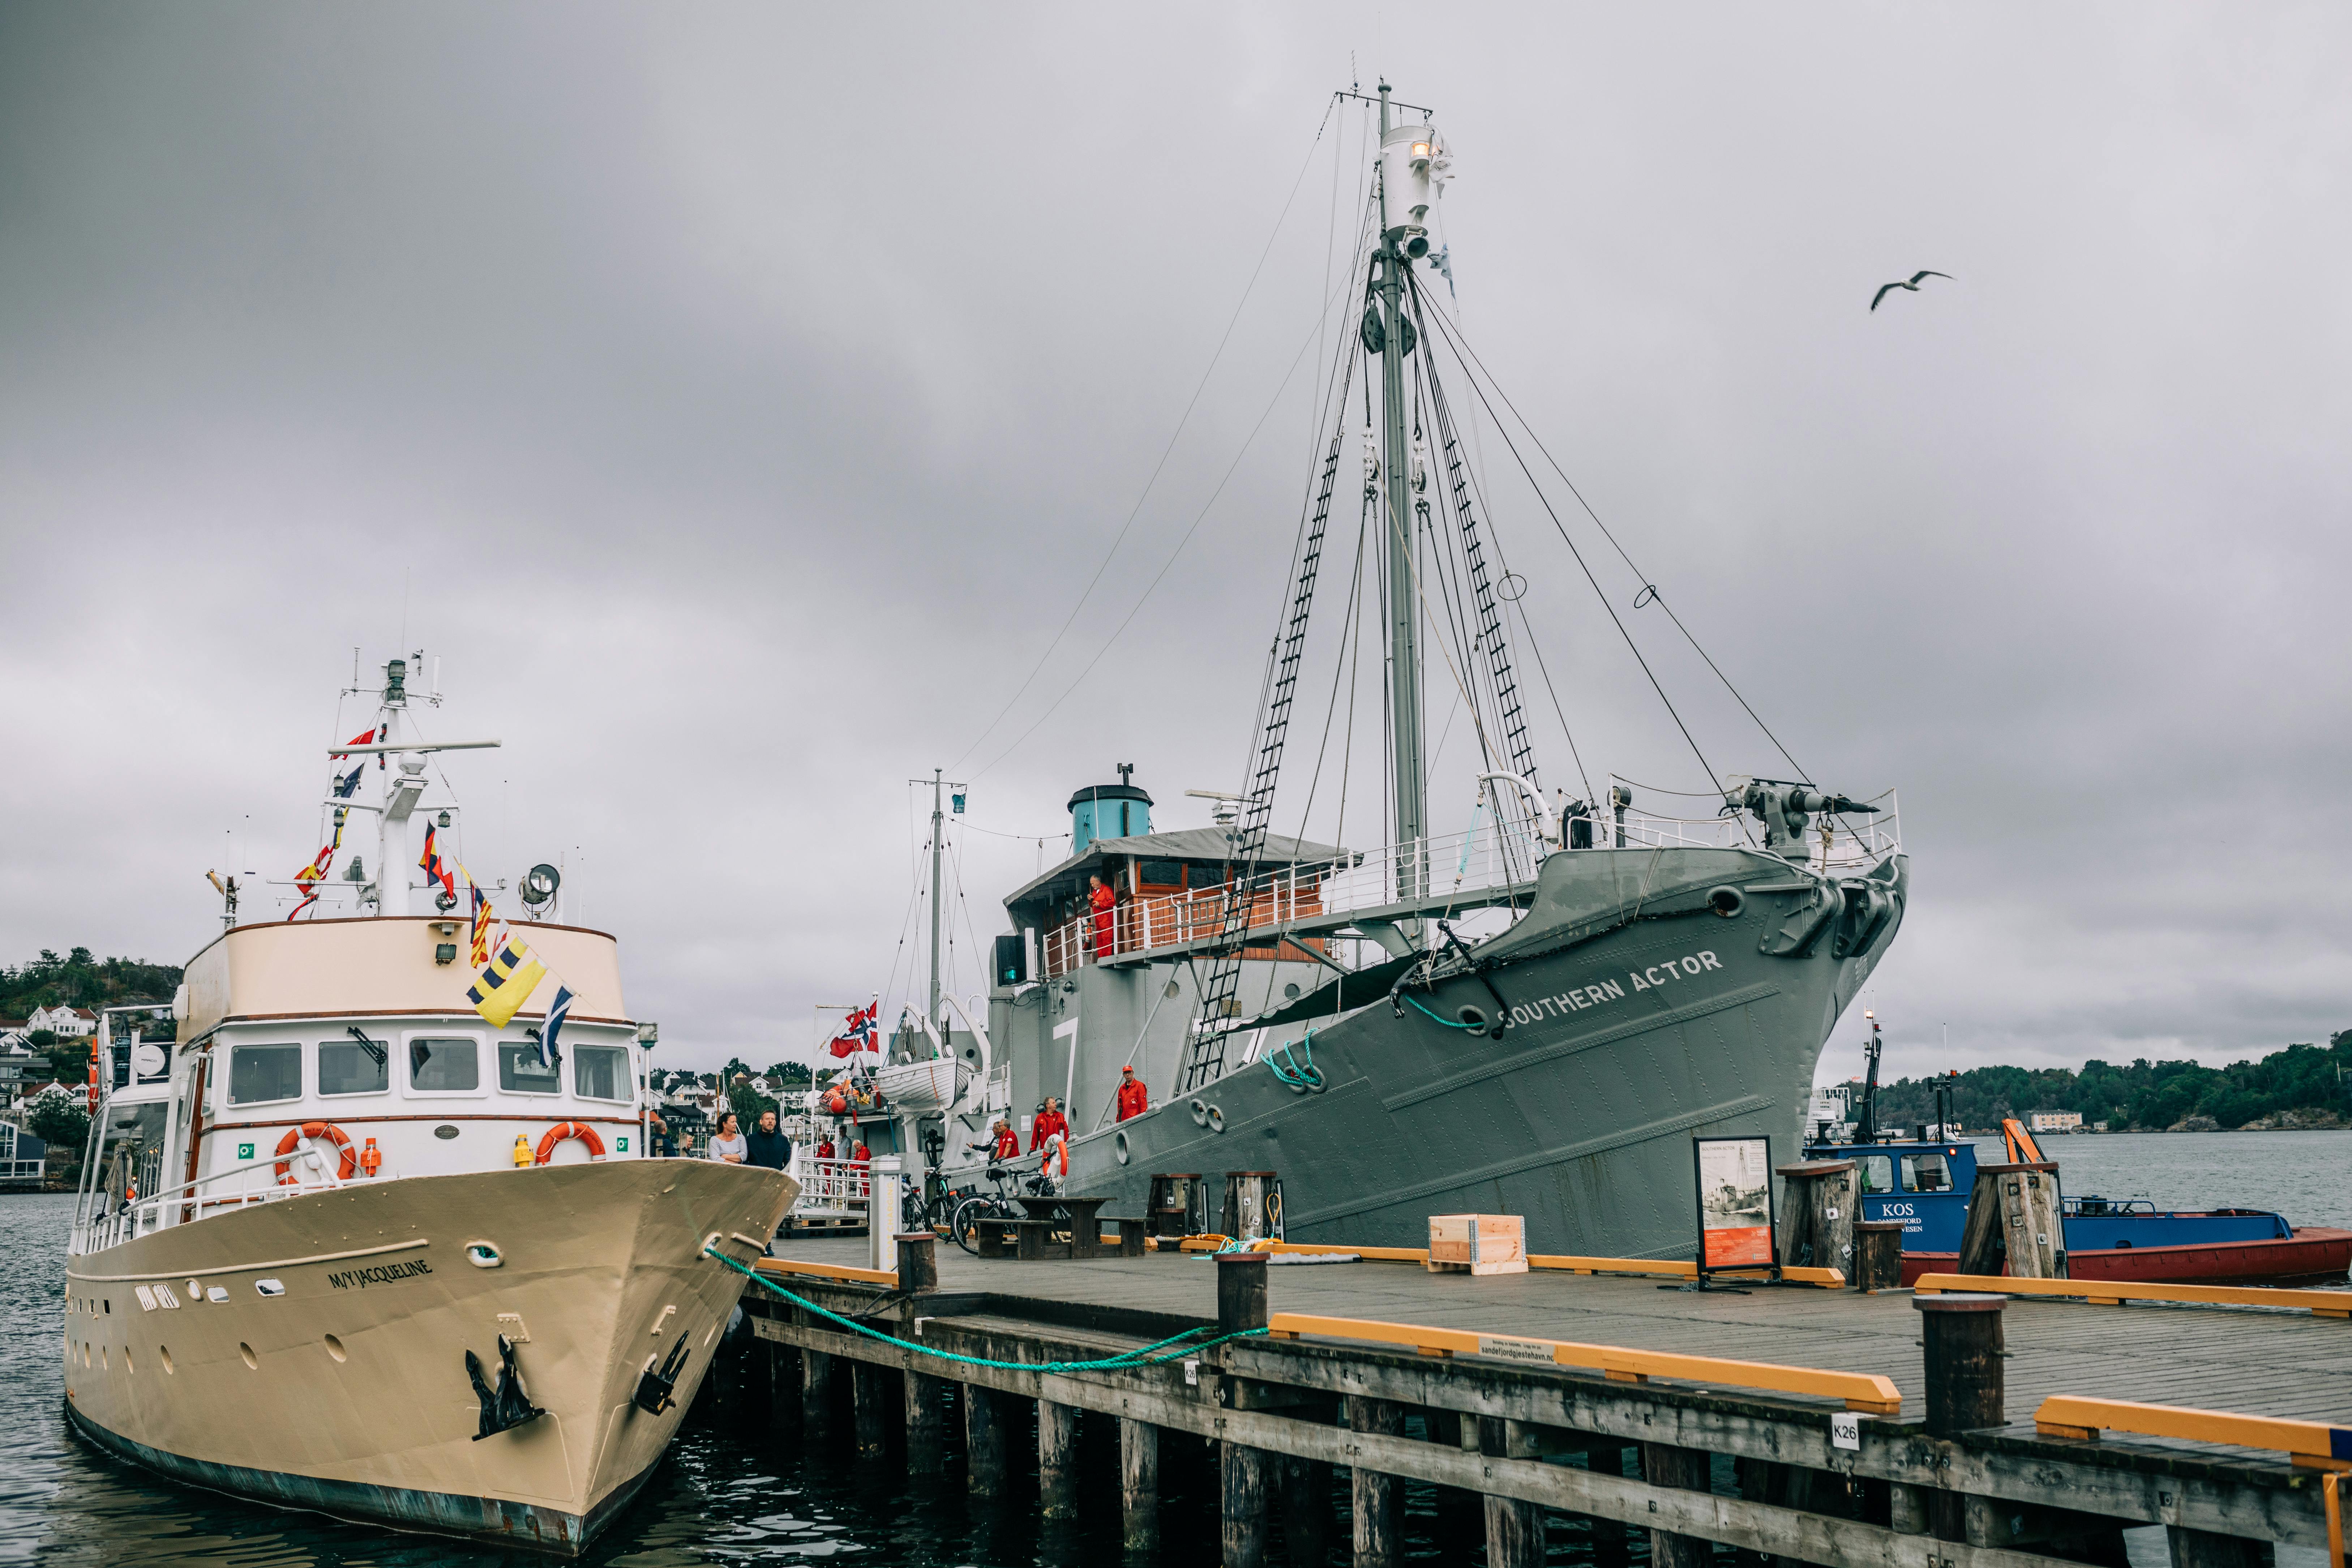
pixel 1640 1015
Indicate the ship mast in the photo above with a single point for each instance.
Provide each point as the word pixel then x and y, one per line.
pixel 1404 653
pixel 935 894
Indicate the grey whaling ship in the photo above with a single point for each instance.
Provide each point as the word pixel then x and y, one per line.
pixel 1555 1001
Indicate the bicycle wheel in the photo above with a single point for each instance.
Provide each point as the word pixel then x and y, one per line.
pixel 962 1226
pixel 914 1214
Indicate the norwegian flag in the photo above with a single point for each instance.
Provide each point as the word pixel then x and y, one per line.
pixel 860 1031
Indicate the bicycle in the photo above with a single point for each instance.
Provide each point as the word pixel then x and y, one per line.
pixel 964 1225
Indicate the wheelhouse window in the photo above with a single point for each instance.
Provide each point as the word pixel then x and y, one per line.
pixel 521 1072
pixel 258 1074
pixel 1160 873
pixel 347 1066
pixel 1926 1173
pixel 443 1067
pixel 600 1072
pixel 1877 1174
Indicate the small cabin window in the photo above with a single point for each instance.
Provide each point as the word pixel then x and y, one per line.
pixel 346 1066
pixel 600 1072
pixel 1877 1174
pixel 521 1072
pixel 1926 1173
pixel 1160 873
pixel 1205 876
pixel 258 1074
pixel 443 1067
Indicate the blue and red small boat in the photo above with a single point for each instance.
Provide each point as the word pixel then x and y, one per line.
pixel 1925 1182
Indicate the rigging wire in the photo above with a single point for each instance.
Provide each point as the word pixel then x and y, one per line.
pixel 1622 631
pixel 1166 452
pixel 1649 588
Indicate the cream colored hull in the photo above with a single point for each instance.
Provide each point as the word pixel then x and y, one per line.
pixel 348 1393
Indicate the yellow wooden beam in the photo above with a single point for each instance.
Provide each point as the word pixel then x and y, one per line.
pixel 2115 1292
pixel 2311 1444
pixel 1661 1268
pixel 1865 1391
pixel 825 1271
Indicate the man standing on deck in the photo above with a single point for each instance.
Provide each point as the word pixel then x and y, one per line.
pixel 767 1144
pixel 1047 1123
pixel 1134 1100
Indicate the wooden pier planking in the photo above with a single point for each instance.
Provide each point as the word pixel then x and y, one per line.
pixel 2287 1365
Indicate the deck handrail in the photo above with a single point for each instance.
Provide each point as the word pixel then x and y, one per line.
pixel 1867 1392
pixel 2115 1292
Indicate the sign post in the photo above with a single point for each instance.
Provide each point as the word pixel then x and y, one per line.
pixel 1735 1206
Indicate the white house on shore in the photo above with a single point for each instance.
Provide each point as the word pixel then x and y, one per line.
pixel 63 1020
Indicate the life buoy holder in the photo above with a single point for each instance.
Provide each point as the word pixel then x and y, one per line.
pixel 351 1161
pixel 562 1129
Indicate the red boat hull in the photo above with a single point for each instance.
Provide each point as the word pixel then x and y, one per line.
pixel 2312 1254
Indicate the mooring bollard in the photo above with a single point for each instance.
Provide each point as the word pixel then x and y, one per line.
pixel 1515 1530
pixel 1819 1201
pixel 983 1442
pixel 1058 1459
pixel 870 1388
pixel 2014 1220
pixel 1241 1291
pixel 1663 1465
pixel 1966 1384
pixel 1138 1484
pixel 1240 1489
pixel 1302 1491
pixel 1877 1255
pixel 1373 1495
pixel 918 1260
pixel 924 1450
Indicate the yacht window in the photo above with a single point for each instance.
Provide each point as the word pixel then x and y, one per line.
pixel 1205 876
pixel 1877 1174
pixel 1161 873
pixel 1926 1173
pixel 260 1073
pixel 600 1072
pixel 346 1066
pixel 442 1067
pixel 521 1072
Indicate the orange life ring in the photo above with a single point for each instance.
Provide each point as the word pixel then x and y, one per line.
pixel 562 1129
pixel 294 1135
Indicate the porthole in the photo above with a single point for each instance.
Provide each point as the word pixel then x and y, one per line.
pixel 483 1255
pixel 163 1354
pixel 101 1358
pixel 269 1287
pixel 1216 1122
pixel 1725 902
pixel 335 1348
pixel 127 1363
pixel 85 1352
pixel 251 1360
pixel 1118 1146
pixel 1471 1017
pixel 1200 1109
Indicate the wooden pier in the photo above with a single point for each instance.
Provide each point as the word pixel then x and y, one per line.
pixel 1809 1424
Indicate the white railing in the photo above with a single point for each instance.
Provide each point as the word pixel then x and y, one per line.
pixel 1433 872
pixel 309 1169
pixel 833 1188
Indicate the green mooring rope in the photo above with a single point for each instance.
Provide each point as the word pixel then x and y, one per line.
pixel 1298 1073
pixel 1141 1356
pixel 1449 1022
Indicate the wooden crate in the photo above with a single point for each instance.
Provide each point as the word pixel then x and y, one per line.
pixel 1478 1244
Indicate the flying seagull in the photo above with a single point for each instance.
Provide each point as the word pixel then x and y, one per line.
pixel 1913 285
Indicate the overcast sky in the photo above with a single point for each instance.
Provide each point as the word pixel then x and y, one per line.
pixel 736 401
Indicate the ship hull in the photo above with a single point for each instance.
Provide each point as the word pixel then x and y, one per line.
pixel 343 1390
pixel 1639 1019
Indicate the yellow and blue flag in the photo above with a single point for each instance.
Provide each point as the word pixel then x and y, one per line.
pixel 507 983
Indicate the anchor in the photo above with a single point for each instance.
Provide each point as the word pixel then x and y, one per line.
pixel 655 1388
pixel 510 1406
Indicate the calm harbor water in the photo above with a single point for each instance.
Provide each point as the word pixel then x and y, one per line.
pixel 733 1494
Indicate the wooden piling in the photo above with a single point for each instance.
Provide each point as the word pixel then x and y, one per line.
pixel 816 1389
pixel 1820 1200
pixel 2013 1220
pixel 1241 1291
pixel 926 1454
pixel 1302 1492
pixel 1058 1459
pixel 1515 1530
pixel 1877 1255
pixel 870 1389
pixel 1241 1490
pixel 1612 1542
pixel 1374 1494
pixel 1663 1465
pixel 2203 1548
pixel 1138 1484
pixel 983 1442
pixel 1966 1383
pixel 919 1262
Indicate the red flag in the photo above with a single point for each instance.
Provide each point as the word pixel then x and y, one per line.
pixel 859 1031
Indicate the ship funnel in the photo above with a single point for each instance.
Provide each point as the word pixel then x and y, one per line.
pixel 1108 811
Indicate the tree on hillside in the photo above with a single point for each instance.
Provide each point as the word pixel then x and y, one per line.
pixel 64 1126
pixel 2302 1077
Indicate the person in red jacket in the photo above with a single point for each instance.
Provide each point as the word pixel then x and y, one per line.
pixel 1048 1122
pixel 1104 903
pixel 825 1150
pixel 1134 1100
pixel 1008 1142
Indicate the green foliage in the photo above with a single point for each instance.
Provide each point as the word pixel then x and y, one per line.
pixel 748 1103
pixel 2147 1095
pixel 787 1072
pixel 62 1125
pixel 79 980
pixel 68 1057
